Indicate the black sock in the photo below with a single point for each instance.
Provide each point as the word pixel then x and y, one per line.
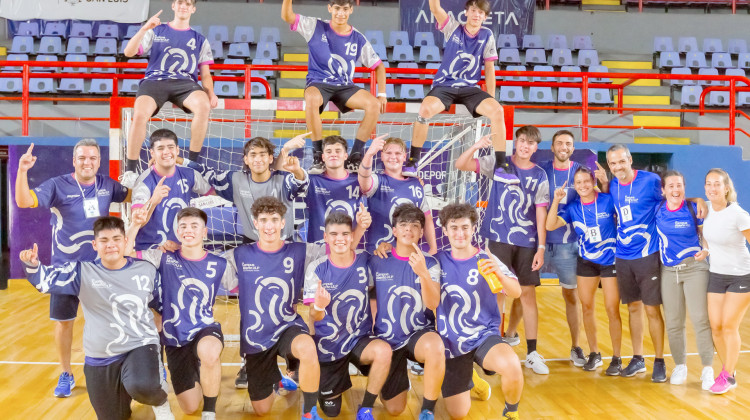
pixel 317 146
pixel 414 154
pixel 637 357
pixel 209 403
pixel 359 146
pixel 309 399
pixel 659 360
pixel 369 400
pixel 530 346
pixel 428 404
pixel 615 358
pixel 194 156
pixel 499 159
pixel 510 407
pixel 132 165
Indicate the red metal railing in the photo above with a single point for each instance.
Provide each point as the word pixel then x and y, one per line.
pixel 732 3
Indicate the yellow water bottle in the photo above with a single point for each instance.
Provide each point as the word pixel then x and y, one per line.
pixel 491 277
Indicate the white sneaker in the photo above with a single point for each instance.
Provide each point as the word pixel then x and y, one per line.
pixel 128 179
pixel 512 340
pixel 208 415
pixel 707 378
pixel 535 362
pixel 353 371
pixel 163 412
pixel 679 375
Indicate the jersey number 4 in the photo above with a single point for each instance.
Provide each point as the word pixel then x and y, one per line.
pixel 191 44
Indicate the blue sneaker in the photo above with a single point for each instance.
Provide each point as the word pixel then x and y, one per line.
pixel 409 169
pixel 502 175
pixel 312 415
pixel 365 413
pixel 635 366
pixel 426 415
pixel 285 386
pixel 65 385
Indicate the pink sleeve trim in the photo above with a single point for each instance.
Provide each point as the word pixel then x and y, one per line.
pixel 140 50
pixel 211 191
pixel 206 63
pixel 442 25
pixel 491 58
pixel 308 301
pixel 542 204
pixel 139 254
pixel 376 64
pixel 136 206
pixel 293 26
pixel 476 162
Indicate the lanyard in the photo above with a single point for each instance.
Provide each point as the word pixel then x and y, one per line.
pixel 554 171
pixel 632 181
pixel 83 196
pixel 596 212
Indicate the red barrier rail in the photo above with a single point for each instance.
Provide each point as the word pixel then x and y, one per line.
pixel 733 3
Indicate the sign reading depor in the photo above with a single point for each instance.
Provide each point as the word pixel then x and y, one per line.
pixel 124 11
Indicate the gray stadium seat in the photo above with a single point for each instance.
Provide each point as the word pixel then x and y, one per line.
pixel 663 44
pixel 429 54
pixel 669 59
pixel 588 58
pixel 509 56
pixel 22 45
pixel 423 39
pixel 569 96
pixel 561 57
pixel 681 82
pixel 695 60
pixel 583 42
pixel 101 86
pixel 532 41
pixel 244 34
pixel 686 44
pixel 600 97
pixel 105 46
pixel 557 41
pixel 737 46
pixel 713 45
pixel 690 95
pixel 239 50
pixel 80 30
pixel 507 41
pixel 536 56
pixel 218 33
pixel 78 45
pixel 397 38
pixel 107 30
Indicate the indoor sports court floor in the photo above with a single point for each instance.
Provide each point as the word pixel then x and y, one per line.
pixel 29 370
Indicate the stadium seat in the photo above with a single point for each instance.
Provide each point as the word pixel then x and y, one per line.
pixel 257 89
pixel 267 51
pixel 737 46
pixel 569 96
pixel 11 85
pixel 721 60
pixel 131 31
pixel 75 58
pixel 507 41
pixel 271 34
pixel 402 53
pixel 78 46
pixel 22 45
pixel 743 61
pixel 423 39
pixel 55 29
pixel 429 54
pixel 583 42
pixel 680 82
pixel 541 94
pixel 375 37
pixel 432 66
pixel 217 48
pixel 41 86
pixel 70 86
pixel 743 99
pixel 556 41
pixel 411 92
pixel 588 58
pixel 50 45
pixel 560 57
pixel 45 57
pixel 104 59
pixel 105 46
pixel 687 44
pixel 713 45
pixel 244 34
pixel 737 72
pixel 695 60
pixel 599 69
pixel 218 33
pixel 397 38
pixel 532 41
pixel 669 59
pixel 198 28
pixel 516 78
pixel 15 57
pixel 717 98
pixel 264 73
pixel 536 56
pixel 709 72
pixel 27 29
pixel 80 30
pixel 136 60
pixel 690 95
pixel 226 89
pixel 546 78
pixel 101 86
pixel 239 50
pixel 227 72
pixel 406 75
pixel 600 97
pixel 509 56
pixel 663 44
pixel 380 50
pixel 511 94
pixel 129 86
pixel 107 30
pixel 573 79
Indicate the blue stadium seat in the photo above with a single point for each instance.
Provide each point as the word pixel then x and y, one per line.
pixel 557 41
pixel 708 71
pixel 244 34
pixel 45 57
pixel 257 89
pixel 70 86
pixel 375 37
pixel 226 89
pixel 55 29
pixel 271 34
pixel 743 60
pixel 583 42
pixel 737 46
pixel 429 54
pixel 131 31
pixel 136 60
pixel 433 66
pixel 509 56
pixel 600 97
pixel 599 69
pixel 669 59
pixel 546 78
pixel 405 75
pixel 218 33
pixel 695 60
pixel 380 51
pixel 263 73
pixel 541 94
pixel 681 82
pixel 105 46
pixel 104 59
pixel 397 38
pixel 713 45
pixel 80 30
pixel 129 86
pixel 101 86
pixel 588 58
pixel 572 79
pixel 532 41
pixel 687 44
pixel 78 45
pixel 267 51
pixel 402 53
pixel 217 48
pixel 511 94
pixel 560 57
pixel 50 45
pixel 411 92
pixel 743 99
pixel 690 95
pixel 423 39
pixel 536 56
pixel 569 96
pixel 663 44
pixel 22 45
pixel 15 57
pixel 41 86
pixel 390 91
pixel 721 60
pixel 737 72
pixel 717 98
pixel 30 28
pixel 507 41
pixel 11 85
pixel 233 72
pixel 108 30
pixel 517 78
pixel 75 58
pixel 239 50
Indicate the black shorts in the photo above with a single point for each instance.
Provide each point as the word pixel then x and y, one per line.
pixel 468 96
pixel 519 259
pixel 334 376
pixel 724 283
pixel 161 91
pixel 183 363
pixel 263 368
pixel 398 377
pixel 639 279
pixel 63 307
pixel 586 268
pixel 339 95
pixel 459 370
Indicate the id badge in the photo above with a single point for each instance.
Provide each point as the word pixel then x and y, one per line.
pixel 626 214
pixel 91 208
pixel 565 199
pixel 593 234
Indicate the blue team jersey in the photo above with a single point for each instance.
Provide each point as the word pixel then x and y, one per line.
pixel 175 54
pixel 557 178
pixel 385 194
pixel 333 56
pixel 184 183
pixel 347 317
pixel 401 311
pixel 464 54
pixel 583 217
pixel 678 233
pixel 187 293
pixel 270 286
pixel 468 312
pixel 72 231
pixel 510 217
pixel 636 238
pixel 332 195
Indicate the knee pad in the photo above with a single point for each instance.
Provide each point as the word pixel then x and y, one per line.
pixel 421 119
pixel 332 407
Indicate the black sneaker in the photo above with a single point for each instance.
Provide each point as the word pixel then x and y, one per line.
pixel 594 361
pixel 615 367
pixel 660 372
pixel 352 163
pixel 635 366
pixel 317 167
pixel 577 357
pixel 240 382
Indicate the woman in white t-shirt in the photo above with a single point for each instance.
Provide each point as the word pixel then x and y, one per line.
pixel 725 231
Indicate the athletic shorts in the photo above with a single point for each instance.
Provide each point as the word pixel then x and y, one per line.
pixel 586 268
pixel 398 377
pixel 468 96
pixel 263 368
pixel 459 370
pixel 183 362
pixel 63 307
pixel 724 283
pixel 334 376
pixel 339 95
pixel 519 259
pixel 639 279
pixel 161 91
pixel 561 260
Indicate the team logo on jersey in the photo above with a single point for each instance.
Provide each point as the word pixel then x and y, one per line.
pixel 514 205
pixel 194 300
pixel 250 267
pixel 338 68
pixel 349 314
pixel 102 193
pixel 127 311
pixel 384 277
pixel 176 60
pixel 460 315
pixel 323 38
pixel 99 284
pixel 405 309
pixel 173 262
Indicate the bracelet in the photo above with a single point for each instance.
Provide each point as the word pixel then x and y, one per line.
pixel 367 168
pixel 318 309
pixel 542 247
pixel 382 95
pixel 706 249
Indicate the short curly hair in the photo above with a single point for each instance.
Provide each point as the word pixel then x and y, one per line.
pixel 456 211
pixel 267 205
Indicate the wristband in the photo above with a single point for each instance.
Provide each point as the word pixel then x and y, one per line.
pixel 382 95
pixel 706 249
pixel 367 168
pixel 542 247
pixel 318 309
